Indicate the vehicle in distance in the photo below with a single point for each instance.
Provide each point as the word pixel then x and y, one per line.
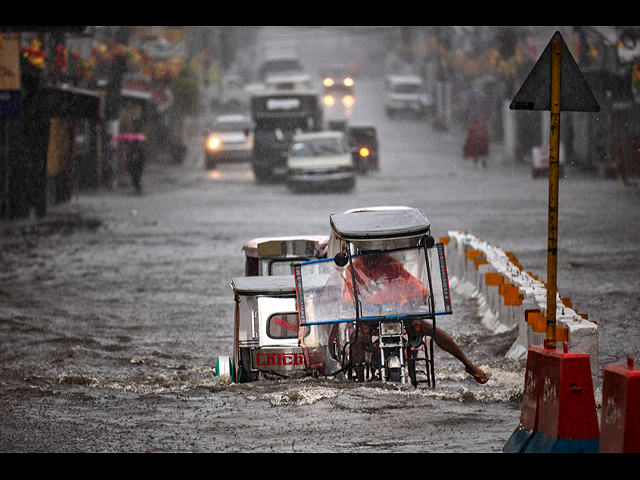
pixel 230 140
pixel 321 160
pixel 406 94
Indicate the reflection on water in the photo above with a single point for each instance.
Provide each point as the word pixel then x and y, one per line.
pixel 232 173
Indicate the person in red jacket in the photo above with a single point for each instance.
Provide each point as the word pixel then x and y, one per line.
pixel 381 279
pixel 476 145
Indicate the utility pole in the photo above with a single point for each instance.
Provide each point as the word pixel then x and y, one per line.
pixel 115 77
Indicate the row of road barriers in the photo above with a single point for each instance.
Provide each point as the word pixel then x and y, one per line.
pixel 559 413
pixel 510 298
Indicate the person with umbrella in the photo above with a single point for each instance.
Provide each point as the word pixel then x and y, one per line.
pixel 136 157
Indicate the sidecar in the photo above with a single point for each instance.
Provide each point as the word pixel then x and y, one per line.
pixel 267 337
pixel 375 322
pixel 268 341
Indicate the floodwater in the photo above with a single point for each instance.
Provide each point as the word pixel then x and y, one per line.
pixel 115 307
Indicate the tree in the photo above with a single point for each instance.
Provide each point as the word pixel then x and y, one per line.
pixel 186 94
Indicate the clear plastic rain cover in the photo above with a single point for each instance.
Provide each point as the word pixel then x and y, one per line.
pixel 388 284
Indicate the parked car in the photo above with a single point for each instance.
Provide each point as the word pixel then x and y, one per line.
pixel 229 140
pixel 405 93
pixel 321 159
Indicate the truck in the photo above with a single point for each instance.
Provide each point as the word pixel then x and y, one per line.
pixel 277 116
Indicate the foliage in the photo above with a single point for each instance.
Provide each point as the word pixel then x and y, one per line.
pixel 32 59
pixel 186 91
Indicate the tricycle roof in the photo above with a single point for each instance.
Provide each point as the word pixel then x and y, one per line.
pixel 264 285
pixel 380 222
pixel 287 247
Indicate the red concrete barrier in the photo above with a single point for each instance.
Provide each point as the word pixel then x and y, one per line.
pixel 558 406
pixel 620 418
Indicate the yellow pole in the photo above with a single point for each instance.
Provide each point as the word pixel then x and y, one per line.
pixel 554 178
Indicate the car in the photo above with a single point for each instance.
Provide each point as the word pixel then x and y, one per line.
pixel 233 92
pixel 338 83
pixel 229 140
pixel 405 93
pixel 338 78
pixel 321 159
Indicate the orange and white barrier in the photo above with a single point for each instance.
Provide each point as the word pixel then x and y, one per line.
pixel 510 298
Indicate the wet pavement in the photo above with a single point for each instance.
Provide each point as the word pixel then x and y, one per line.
pixel 116 306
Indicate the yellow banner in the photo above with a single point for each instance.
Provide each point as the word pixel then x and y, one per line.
pixel 10 61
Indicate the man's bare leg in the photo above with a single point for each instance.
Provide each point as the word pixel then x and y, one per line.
pixel 446 343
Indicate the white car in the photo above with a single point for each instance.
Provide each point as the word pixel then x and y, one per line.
pixel 321 159
pixel 233 92
pixel 405 93
pixel 229 140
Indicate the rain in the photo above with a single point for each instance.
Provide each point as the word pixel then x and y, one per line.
pixel 116 301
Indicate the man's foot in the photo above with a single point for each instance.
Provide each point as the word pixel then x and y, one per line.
pixel 478 375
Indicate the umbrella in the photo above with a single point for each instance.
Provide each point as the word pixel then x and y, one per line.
pixel 129 137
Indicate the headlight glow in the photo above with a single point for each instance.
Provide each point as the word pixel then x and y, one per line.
pixel 364 152
pixel 348 82
pixel 328 82
pixel 329 100
pixel 348 100
pixel 214 143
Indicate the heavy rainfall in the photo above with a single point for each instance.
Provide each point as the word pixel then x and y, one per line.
pixel 115 302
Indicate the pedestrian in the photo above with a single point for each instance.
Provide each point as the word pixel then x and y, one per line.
pixel 135 164
pixel 476 145
pixel 110 153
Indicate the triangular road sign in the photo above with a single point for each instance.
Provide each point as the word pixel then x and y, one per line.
pixel 575 94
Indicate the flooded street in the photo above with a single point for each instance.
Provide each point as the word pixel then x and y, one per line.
pixel 115 307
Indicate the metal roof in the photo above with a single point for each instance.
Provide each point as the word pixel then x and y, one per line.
pixel 264 285
pixel 380 223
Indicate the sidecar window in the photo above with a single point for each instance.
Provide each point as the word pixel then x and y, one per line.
pixel 283 325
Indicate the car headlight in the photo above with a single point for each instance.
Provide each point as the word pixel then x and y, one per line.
pixel 347 100
pixel 364 152
pixel 328 82
pixel 329 100
pixel 348 82
pixel 391 328
pixel 214 143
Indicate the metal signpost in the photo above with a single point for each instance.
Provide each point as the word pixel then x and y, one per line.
pixel 555 84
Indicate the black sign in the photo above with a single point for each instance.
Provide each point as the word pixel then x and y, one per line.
pixel 575 94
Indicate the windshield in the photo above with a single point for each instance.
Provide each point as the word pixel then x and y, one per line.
pixel 318 147
pixel 407 88
pixel 230 127
pixel 388 284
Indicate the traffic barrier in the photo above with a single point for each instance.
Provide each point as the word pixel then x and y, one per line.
pixel 558 405
pixel 529 412
pixel 620 418
pixel 510 298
